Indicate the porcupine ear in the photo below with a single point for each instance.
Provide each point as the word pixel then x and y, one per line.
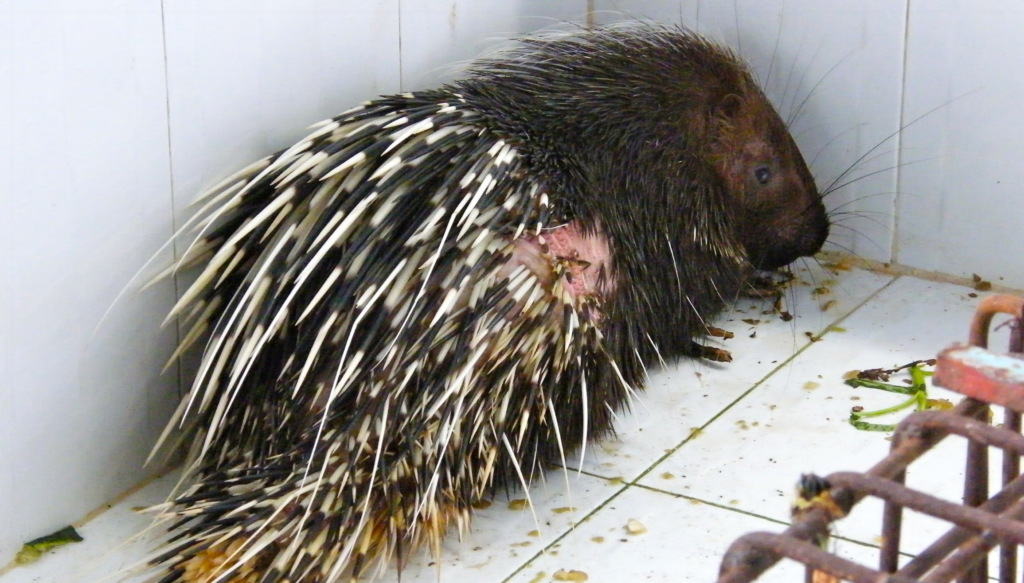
pixel 729 107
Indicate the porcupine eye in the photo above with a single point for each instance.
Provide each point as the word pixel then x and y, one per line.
pixel 763 174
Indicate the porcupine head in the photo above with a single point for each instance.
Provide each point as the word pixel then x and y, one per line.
pixel 663 147
pixel 434 295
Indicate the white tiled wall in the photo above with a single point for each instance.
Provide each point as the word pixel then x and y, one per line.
pixel 85 199
pixel 961 204
pixel 114 114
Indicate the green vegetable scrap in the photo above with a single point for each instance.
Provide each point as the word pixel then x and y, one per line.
pixel 34 549
pixel 917 390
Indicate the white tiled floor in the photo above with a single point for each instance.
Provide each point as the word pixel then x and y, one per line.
pixel 778 410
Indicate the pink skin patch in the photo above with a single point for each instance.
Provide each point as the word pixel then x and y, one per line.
pixel 585 259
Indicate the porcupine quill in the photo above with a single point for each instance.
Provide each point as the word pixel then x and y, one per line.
pixel 435 294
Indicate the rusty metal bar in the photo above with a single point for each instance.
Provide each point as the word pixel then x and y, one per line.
pixel 972 429
pixel 987 309
pixel 892 528
pixel 782 546
pixel 958 535
pixel 967 516
pixel 972 552
pixel 1011 462
pixel 738 567
pixel 982 523
pixel 975 493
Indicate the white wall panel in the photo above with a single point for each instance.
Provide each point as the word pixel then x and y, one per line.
pixel 114 116
pixel 84 200
pixel 961 206
pixel 439 37
pixel 247 78
pixel 838 63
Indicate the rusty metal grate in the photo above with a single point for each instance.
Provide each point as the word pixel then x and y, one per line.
pixel 978 526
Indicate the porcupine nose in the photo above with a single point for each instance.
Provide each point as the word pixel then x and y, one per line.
pixel 812 242
pixel 805 244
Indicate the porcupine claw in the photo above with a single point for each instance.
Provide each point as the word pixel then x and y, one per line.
pixel 711 353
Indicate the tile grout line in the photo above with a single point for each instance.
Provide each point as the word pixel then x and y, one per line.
pixel 768 375
pixel 401 71
pixel 749 513
pixel 754 515
pixel 567 532
pixel 626 486
pixel 170 171
pixel 671 451
pixel 894 246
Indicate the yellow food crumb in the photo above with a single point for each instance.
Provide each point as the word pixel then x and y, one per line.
pixel 563 575
pixel 634 526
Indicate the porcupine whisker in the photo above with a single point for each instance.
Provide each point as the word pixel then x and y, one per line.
pixel 775 49
pixel 795 115
pixel 865 215
pixel 844 247
pixel 832 140
pixel 791 74
pixel 889 137
pixel 862 235
pixel 836 188
pixel 839 187
pixel 833 212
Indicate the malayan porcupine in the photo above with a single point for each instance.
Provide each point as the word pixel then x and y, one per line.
pixel 435 295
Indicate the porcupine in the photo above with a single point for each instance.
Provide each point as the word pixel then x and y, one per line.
pixel 434 295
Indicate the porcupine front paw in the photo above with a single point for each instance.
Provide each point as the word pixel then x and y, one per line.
pixel 697 350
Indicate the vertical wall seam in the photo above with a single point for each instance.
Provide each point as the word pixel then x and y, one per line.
pixel 170 171
pixel 401 73
pixel 894 247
